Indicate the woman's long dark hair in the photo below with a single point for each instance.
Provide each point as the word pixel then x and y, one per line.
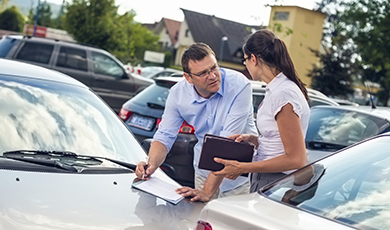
pixel 272 51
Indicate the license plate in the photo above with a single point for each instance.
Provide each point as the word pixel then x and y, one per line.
pixel 141 122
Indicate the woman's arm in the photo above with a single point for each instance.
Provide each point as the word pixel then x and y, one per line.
pixel 294 145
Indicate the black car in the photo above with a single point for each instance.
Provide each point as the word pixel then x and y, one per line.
pixel 94 67
pixel 143 113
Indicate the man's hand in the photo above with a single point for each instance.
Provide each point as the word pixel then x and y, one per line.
pixel 194 193
pixel 232 168
pixel 144 172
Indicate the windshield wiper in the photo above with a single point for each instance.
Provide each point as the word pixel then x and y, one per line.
pixel 52 158
pixel 324 145
pixel 155 106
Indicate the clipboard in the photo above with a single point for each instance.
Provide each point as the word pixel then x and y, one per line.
pixel 225 148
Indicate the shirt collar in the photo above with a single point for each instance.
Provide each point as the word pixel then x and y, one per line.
pixel 274 83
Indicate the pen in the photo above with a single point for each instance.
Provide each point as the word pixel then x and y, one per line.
pixel 146 166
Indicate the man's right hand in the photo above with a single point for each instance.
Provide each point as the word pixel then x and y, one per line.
pixel 144 172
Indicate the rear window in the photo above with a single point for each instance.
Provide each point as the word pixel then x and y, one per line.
pixel 156 94
pixel 5 46
pixel 35 52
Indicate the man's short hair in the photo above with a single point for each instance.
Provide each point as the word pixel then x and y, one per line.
pixel 196 52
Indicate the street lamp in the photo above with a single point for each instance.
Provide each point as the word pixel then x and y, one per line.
pixel 223 40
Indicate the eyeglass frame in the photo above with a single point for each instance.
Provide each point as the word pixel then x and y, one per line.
pixel 206 73
pixel 243 61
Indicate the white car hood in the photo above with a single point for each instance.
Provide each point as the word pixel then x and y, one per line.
pixel 34 200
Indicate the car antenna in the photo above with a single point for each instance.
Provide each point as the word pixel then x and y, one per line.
pixel 369 92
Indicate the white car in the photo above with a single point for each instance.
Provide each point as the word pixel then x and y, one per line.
pixel 349 189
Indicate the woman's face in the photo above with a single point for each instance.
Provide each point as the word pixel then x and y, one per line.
pixel 253 66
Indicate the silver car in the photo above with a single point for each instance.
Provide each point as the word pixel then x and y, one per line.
pixel 349 189
pixel 67 160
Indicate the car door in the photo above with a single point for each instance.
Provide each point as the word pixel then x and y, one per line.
pixel 110 80
pixel 73 62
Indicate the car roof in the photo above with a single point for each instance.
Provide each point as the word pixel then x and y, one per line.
pixel 54 41
pixel 16 68
pixel 381 112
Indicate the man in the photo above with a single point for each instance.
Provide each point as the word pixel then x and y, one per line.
pixel 212 100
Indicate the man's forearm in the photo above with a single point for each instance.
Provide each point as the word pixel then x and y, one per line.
pixel 212 184
pixel 157 153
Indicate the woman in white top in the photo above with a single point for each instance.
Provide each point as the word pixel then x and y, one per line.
pixel 282 117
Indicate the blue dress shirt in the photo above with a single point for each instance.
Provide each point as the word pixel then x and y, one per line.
pixel 229 111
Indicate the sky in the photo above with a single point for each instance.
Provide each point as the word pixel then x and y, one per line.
pixel 250 12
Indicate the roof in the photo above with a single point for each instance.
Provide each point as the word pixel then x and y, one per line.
pixel 210 30
pixel 173 28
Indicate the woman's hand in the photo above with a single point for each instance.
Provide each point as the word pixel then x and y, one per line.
pixel 196 194
pixel 232 169
pixel 245 137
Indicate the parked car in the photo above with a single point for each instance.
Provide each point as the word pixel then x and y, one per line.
pixel 153 72
pixel 346 190
pixel 143 113
pixel 93 66
pixel 67 160
pixel 334 127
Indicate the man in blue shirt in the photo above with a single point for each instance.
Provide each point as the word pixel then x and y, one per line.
pixel 212 100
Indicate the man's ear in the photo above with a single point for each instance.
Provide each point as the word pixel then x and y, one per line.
pixel 188 77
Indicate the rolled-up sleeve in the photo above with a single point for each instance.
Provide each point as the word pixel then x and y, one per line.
pixel 170 124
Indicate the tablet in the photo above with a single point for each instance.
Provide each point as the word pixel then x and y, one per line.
pixel 225 148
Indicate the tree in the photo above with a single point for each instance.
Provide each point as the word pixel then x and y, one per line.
pixel 366 22
pixel 44 15
pixel 97 22
pixel 334 76
pixel 11 19
pixel 337 70
pixel 93 22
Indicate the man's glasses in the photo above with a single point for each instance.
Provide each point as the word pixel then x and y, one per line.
pixel 214 69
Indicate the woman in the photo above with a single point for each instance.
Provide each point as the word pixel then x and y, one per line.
pixel 282 117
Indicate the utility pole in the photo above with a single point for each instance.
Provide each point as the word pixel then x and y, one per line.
pixel 36 17
pixel 223 40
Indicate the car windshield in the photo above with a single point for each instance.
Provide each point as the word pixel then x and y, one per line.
pixel 45 115
pixel 341 127
pixel 351 187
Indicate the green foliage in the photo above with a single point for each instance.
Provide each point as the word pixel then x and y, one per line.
pixel 12 20
pixel 44 15
pixel 334 76
pixel 97 22
pixel 367 22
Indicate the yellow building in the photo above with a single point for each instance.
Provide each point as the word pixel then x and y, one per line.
pixel 306 26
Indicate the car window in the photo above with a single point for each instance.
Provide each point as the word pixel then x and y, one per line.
pixel 5 46
pixel 352 187
pixel 35 52
pixel 342 127
pixel 74 119
pixel 155 94
pixel 72 58
pixel 104 64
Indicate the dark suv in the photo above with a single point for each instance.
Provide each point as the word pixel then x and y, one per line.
pixel 93 66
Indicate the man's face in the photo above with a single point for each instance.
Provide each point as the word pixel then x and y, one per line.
pixel 205 76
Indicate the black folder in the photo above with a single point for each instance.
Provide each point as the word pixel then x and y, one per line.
pixel 225 148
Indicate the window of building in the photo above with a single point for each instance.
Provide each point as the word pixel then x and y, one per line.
pixel 35 52
pixel 72 58
pixel 187 34
pixel 282 15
